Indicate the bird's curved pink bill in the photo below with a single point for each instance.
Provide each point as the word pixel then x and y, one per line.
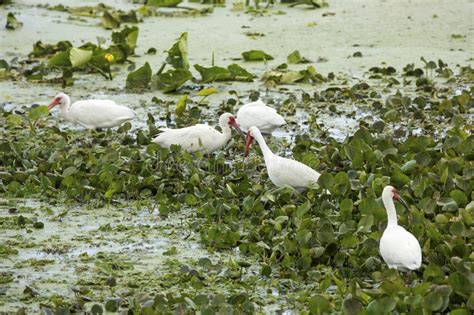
pixel 233 123
pixel 54 102
pixel 398 198
pixel 249 142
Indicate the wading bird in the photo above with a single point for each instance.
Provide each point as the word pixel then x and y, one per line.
pixel 92 114
pixel 398 247
pixel 282 171
pixel 260 115
pixel 199 137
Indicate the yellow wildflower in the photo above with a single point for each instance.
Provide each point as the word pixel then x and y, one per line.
pixel 109 57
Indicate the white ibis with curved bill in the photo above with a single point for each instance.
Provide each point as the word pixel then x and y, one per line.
pixel 282 171
pixel 199 137
pixel 92 114
pixel 257 114
pixel 398 247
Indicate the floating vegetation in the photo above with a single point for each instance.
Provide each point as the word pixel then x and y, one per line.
pixel 12 22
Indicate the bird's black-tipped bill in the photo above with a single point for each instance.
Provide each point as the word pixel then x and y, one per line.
pixel 403 202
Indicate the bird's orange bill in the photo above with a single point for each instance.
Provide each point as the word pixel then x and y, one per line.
pixel 247 146
pixel 53 103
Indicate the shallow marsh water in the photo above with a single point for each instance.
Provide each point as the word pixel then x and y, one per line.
pixel 75 247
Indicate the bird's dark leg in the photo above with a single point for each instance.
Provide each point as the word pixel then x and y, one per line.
pixel 409 278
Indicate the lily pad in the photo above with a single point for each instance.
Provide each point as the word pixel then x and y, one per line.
pixel 233 73
pixel 171 80
pixel 178 53
pixel 110 22
pixel 79 57
pixel 140 78
pixel 295 57
pixel 163 3
pixel 256 55
pixel 12 22
pixel 126 39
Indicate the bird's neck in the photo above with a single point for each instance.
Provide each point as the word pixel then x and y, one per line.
pixel 267 153
pixel 391 212
pixel 226 133
pixel 65 110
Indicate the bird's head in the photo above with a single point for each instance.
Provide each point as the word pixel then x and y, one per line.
pixel 253 131
pixel 60 99
pixel 392 192
pixel 228 119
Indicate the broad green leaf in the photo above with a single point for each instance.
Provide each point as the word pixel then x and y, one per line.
pixel 4 65
pixel 126 39
pixel 181 106
pixel 207 91
pixel 460 284
pixel 350 241
pixel 140 78
pixel 109 22
pixel 326 233
pixel 163 3
pixel 60 60
pixel 131 39
pixel 326 181
pixel 295 57
pixel 178 53
pixel 256 55
pixel 38 112
pixel 12 22
pixel 171 80
pixel 239 73
pixel 303 209
pixel 351 306
pixel 433 301
pixel 14 119
pixel 71 170
pixel 214 73
pixel 79 57
pixel 381 306
pixel 318 304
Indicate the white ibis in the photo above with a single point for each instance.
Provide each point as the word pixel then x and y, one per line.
pixel 92 114
pixel 260 115
pixel 398 247
pixel 282 171
pixel 199 137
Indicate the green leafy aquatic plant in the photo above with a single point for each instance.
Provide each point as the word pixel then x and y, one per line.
pixel 163 3
pixel 295 57
pixel 12 22
pixel 66 59
pixel 317 251
pixel 173 79
pixel 282 75
pixel 140 78
pixel 256 55
pixel 233 72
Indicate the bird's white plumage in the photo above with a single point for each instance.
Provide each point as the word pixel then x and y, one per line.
pixel 265 118
pixel 283 171
pixel 399 248
pixel 93 114
pixel 199 137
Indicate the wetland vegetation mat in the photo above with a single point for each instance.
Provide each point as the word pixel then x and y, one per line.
pixel 373 92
